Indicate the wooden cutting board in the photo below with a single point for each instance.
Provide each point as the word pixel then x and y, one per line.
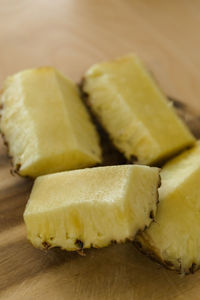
pixel 72 35
pixel 116 272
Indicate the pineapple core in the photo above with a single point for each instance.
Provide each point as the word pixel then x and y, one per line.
pixel 45 124
pixel 138 117
pixel 174 237
pixel 91 207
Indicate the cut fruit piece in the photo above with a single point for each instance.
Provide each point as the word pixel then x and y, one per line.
pixel 45 123
pixel 138 117
pixel 174 238
pixel 91 207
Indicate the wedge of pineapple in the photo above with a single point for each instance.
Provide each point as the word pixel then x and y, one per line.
pixel 45 124
pixel 139 119
pixel 174 238
pixel 91 207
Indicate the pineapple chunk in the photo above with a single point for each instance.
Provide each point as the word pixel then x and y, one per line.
pixel 174 237
pixel 91 207
pixel 138 117
pixel 45 123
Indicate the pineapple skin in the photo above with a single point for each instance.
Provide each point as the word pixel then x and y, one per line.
pixel 138 117
pixel 173 238
pixel 91 207
pixel 45 124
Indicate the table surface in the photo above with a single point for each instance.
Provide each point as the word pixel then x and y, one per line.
pixel 72 35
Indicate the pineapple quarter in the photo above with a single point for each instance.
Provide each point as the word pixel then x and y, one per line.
pixel 138 117
pixel 91 207
pixel 174 238
pixel 45 123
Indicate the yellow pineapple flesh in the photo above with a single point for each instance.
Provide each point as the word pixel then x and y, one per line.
pixel 45 123
pixel 91 207
pixel 138 117
pixel 174 239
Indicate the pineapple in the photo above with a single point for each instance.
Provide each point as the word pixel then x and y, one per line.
pixel 138 117
pixel 45 124
pixel 91 207
pixel 174 238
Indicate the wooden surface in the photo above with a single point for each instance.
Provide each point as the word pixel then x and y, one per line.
pixel 72 35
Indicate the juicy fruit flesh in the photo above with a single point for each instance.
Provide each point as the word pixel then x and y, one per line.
pixel 174 236
pixel 45 124
pixel 137 116
pixel 91 207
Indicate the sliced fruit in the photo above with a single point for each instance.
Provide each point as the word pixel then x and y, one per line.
pixel 138 117
pixel 45 124
pixel 91 207
pixel 174 238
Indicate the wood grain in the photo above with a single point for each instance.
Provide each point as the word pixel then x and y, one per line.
pixel 72 35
